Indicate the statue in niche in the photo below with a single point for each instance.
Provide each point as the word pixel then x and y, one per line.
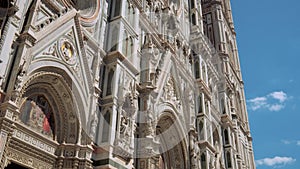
pixel 218 161
pixel 93 126
pixel 124 127
pixel 191 99
pixel 195 153
pixel 18 83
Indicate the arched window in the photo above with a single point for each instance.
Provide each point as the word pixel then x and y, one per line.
pixel 106 127
pixel 228 159
pixel 223 109
pixel 109 82
pixel 129 48
pixel 197 69
pixel 203 161
pixel 127 45
pixel 37 113
pixel 194 21
pixel 204 73
pixel 239 109
pixel 216 138
pixel 201 131
pixel 200 109
pixel 226 137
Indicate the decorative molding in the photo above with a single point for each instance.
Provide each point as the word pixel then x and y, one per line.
pixel 35 142
pixel 26 160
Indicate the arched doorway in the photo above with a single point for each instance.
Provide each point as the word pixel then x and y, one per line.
pixel 173 144
pixel 47 131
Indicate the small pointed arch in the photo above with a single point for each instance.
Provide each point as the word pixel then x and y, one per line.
pixel 201 130
pixel 216 136
pixel 226 137
pixel 127 45
pixel 222 106
pixel 238 102
pixel 200 105
pixel 197 69
pixel 109 81
pixel 204 72
pixel 194 19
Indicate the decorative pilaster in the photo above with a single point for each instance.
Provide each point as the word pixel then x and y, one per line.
pixel 147 147
pixel 8 114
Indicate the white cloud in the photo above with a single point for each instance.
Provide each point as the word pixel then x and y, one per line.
pixel 275 161
pixel 293 142
pixel 274 101
pixel 258 102
pixel 286 141
pixel 275 107
pixel 281 96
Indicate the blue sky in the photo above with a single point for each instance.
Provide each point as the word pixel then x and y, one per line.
pixel 268 35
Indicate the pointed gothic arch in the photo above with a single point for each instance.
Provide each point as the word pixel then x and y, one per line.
pixel 173 147
pixel 55 89
pixel 49 123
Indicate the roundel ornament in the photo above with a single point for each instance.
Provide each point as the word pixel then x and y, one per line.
pixel 67 51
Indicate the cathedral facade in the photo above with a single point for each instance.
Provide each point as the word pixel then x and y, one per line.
pixel 121 84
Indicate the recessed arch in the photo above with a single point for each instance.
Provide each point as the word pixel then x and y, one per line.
pixel 54 88
pixel 173 147
pixel 71 83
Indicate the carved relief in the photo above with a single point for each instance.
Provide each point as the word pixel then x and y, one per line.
pixel 93 127
pixel 34 142
pixel 51 51
pixel 26 160
pixel 170 94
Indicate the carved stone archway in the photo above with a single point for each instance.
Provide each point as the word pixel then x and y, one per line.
pixel 47 132
pixel 173 152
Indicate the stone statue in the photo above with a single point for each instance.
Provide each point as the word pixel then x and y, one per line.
pixel 124 127
pixel 218 161
pixel 93 126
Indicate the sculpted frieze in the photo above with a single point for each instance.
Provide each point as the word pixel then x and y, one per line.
pixel 26 160
pixel 35 142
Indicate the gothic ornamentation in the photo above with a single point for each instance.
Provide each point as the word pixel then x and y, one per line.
pixel 51 115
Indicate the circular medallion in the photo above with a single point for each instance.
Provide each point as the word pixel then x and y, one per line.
pixel 67 51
